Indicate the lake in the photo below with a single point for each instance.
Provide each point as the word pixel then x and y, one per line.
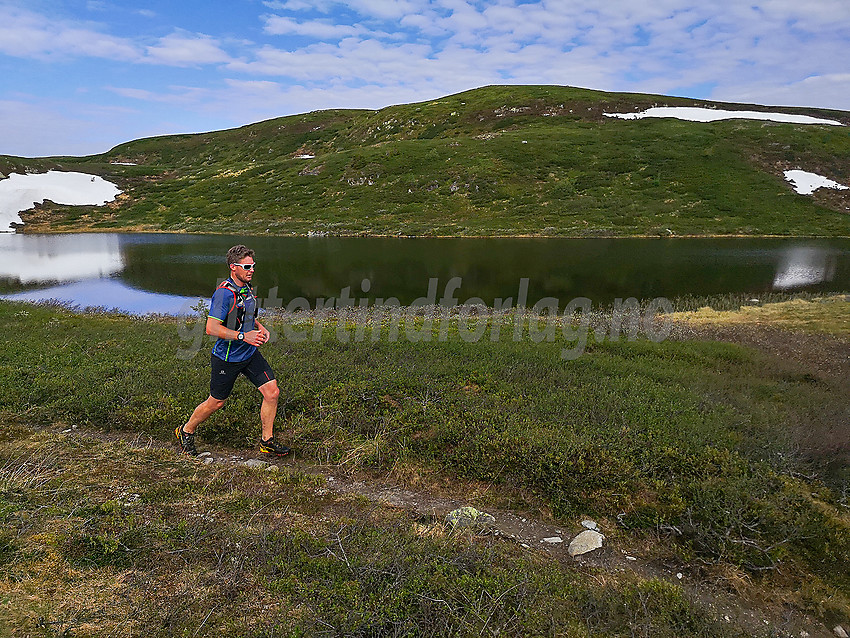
pixel 166 273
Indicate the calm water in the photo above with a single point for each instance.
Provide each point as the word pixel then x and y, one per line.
pixel 165 273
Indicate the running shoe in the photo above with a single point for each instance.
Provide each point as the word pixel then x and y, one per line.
pixel 273 447
pixel 186 441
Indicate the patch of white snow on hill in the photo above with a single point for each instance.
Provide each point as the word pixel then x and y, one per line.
pixel 807 183
pixel 21 192
pixel 696 114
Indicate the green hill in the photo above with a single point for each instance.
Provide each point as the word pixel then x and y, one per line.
pixel 499 160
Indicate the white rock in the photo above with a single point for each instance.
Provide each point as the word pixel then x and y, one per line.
pixel 523 545
pixel 679 576
pixel 203 454
pixel 209 460
pixel 554 540
pixel 254 463
pixel 589 524
pixel 838 630
pixel 630 558
pixel 585 542
pixel 272 468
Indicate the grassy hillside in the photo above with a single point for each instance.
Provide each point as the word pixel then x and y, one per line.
pixel 539 160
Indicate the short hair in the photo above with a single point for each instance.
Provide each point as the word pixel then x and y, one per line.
pixel 235 254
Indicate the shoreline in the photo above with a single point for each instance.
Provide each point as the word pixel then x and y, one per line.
pixel 142 230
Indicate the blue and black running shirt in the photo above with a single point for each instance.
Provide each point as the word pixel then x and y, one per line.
pixel 236 308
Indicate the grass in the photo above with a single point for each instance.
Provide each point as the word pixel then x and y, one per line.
pixel 707 448
pixel 827 315
pixel 103 547
pixel 496 161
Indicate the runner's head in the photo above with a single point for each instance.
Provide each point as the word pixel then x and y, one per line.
pixel 240 260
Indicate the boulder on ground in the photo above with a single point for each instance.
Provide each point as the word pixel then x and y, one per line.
pixel 585 542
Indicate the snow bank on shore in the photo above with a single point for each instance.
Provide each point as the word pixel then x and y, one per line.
pixel 695 114
pixel 21 192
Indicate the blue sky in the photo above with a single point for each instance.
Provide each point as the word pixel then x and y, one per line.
pixel 81 76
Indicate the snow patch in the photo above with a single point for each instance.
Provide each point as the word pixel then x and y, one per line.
pixel 21 192
pixel 696 114
pixel 807 183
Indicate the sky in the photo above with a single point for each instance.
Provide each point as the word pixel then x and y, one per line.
pixel 80 76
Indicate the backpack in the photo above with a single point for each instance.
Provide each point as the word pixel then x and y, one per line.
pixel 235 318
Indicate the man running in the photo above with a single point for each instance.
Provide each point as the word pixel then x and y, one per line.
pixel 233 319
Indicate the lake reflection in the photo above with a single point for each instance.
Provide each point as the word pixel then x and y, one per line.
pixel 167 272
pixel 47 258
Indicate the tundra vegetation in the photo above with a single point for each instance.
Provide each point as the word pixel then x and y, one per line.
pixel 721 462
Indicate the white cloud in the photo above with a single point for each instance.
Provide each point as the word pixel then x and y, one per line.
pixel 181 49
pixel 322 6
pixel 320 29
pixel 25 34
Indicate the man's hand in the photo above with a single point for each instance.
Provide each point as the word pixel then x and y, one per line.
pixel 262 328
pixel 256 337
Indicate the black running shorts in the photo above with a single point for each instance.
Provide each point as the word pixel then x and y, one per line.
pixel 224 374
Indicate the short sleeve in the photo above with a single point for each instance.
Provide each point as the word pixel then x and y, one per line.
pixel 220 304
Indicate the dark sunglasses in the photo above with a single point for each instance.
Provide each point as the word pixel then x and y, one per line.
pixel 246 266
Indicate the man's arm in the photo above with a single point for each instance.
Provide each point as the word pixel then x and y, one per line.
pixel 217 329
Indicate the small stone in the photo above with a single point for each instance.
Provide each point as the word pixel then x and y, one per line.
pixel 209 460
pixel 203 454
pixel 254 463
pixel 589 524
pixel 553 540
pixel 838 630
pixel 272 468
pixel 630 558
pixel 67 431
pixel 469 517
pixel 585 542
pixel 679 576
pixel 524 546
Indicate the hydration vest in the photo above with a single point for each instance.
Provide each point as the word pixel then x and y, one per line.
pixel 235 318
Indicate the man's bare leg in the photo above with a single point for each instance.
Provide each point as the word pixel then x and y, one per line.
pixel 202 413
pixel 268 411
